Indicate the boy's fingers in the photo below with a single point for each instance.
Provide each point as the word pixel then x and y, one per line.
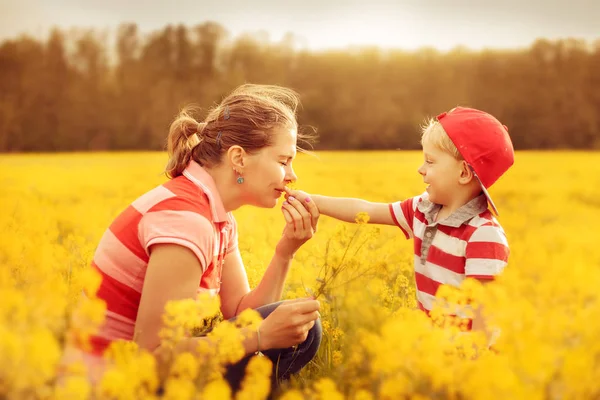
pixel 295 193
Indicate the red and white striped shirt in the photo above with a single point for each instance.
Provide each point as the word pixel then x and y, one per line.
pixel 187 211
pixel 469 243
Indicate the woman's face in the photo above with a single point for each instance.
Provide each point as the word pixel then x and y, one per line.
pixel 269 170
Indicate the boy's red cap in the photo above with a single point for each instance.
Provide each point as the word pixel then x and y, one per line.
pixel 483 142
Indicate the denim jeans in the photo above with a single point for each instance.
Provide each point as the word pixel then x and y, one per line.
pixel 286 361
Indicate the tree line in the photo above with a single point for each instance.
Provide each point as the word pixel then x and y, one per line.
pixel 92 90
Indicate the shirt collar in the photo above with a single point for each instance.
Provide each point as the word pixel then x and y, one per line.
pixel 198 175
pixel 469 210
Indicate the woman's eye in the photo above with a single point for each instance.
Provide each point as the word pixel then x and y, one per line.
pixel 284 164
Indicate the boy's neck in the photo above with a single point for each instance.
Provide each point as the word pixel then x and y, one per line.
pixel 459 201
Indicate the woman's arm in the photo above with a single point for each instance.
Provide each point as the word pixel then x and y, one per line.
pixel 301 222
pixel 174 273
pixel 236 295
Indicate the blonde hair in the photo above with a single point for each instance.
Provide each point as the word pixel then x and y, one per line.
pixel 434 134
pixel 246 117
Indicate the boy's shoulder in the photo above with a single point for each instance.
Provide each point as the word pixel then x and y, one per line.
pixel 485 228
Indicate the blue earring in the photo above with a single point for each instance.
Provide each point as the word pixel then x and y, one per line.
pixel 240 178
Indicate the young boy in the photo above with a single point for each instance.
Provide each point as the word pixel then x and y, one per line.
pixel 455 234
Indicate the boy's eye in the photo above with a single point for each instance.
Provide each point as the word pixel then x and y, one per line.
pixel 429 161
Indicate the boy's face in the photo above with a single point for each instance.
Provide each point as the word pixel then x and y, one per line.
pixel 441 171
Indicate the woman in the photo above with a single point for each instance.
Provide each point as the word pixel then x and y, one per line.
pixel 180 238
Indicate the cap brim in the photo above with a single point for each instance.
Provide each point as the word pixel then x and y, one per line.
pixel 489 199
pixel 487 195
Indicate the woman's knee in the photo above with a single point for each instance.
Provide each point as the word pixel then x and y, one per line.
pixel 315 334
pixel 292 360
pixel 267 309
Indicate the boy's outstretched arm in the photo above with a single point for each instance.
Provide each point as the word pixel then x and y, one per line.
pixel 346 208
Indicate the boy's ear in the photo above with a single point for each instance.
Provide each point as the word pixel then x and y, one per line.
pixel 466 173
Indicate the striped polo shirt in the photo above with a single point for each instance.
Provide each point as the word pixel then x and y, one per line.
pixel 187 211
pixel 468 243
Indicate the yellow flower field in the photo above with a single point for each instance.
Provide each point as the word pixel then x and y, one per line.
pixel 56 207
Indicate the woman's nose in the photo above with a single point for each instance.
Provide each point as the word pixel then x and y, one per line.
pixel 291 175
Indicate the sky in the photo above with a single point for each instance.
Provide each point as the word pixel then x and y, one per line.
pixel 326 24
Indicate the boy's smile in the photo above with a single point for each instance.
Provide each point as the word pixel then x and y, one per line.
pixel 440 171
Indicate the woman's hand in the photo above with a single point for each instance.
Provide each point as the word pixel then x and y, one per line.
pixel 288 324
pixel 301 216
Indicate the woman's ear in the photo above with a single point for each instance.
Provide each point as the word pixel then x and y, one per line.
pixel 237 157
pixel 466 173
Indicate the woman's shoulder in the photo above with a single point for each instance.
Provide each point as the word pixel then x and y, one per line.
pixel 183 187
pixel 174 195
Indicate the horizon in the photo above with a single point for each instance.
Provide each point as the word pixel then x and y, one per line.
pixel 330 25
